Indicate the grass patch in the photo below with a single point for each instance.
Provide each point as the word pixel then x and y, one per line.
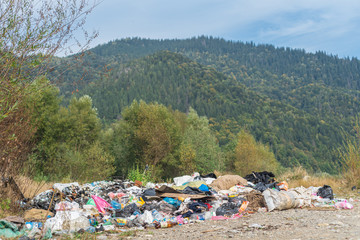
pixel 300 177
pixel 5 205
pixel 131 233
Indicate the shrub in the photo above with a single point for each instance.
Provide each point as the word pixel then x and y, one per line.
pixel 144 177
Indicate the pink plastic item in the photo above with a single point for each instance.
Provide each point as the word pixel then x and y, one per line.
pixel 344 205
pixel 180 220
pixel 100 203
pixel 235 216
pixel 111 195
pixel 120 194
pixel 219 218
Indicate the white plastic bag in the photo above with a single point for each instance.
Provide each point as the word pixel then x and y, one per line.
pixel 280 200
pixel 61 186
pixel 179 181
pixel 146 217
pixel 67 221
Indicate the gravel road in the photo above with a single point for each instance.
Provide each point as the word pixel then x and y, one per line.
pixel 311 223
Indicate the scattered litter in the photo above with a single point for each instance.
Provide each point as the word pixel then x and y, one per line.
pixel 122 205
pixel 255 225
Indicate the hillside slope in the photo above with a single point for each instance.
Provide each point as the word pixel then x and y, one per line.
pixel 295 136
pixel 299 103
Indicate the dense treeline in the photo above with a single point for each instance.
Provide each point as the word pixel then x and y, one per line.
pixel 224 55
pixel 295 136
pixel 274 72
pixel 70 143
pixel 296 102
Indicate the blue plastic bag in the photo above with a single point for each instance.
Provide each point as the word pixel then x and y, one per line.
pixel 115 204
pixel 176 203
pixel 204 188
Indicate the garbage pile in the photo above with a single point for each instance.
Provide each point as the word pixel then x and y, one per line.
pixel 122 205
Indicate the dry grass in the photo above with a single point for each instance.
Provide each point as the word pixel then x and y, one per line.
pixel 30 188
pixel 300 177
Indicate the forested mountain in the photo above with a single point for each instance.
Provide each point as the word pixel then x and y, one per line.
pixel 298 103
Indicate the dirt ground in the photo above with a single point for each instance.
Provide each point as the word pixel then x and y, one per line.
pixel 311 223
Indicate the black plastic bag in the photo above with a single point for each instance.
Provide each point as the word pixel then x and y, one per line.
pixel 127 211
pixel 210 175
pixel 165 207
pixel 198 207
pixel 227 209
pixel 264 177
pixel 262 186
pixel 191 190
pixel 148 206
pixel 148 192
pixel 325 192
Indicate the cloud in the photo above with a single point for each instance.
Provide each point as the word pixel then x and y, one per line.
pixel 296 23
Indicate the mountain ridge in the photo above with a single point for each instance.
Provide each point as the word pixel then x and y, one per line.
pixel 298 103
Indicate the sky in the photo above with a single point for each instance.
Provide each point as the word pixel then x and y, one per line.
pixel 314 25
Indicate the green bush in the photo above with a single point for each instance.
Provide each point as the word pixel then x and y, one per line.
pixel 144 177
pixel 5 205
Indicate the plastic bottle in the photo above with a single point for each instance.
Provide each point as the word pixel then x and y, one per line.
pixel 243 206
pixel 157 216
pixel 93 221
pixel 167 224
pixel 121 221
pixel 197 216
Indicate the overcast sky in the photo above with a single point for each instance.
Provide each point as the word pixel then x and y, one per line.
pixel 326 25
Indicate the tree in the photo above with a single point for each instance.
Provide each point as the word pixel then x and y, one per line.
pixel 32 32
pixel 66 135
pixel 250 155
pixel 200 145
pixel 148 134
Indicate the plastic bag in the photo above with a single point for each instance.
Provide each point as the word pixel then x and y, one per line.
pixel 204 188
pixel 118 195
pixel 91 202
pixel 146 217
pixel 9 229
pixel 90 210
pixel 227 209
pixel 116 205
pixel 283 185
pixel 165 207
pixel 303 195
pixel 127 211
pixel 344 205
pixel 325 192
pixel 243 206
pixel 179 181
pixel 67 206
pixel 280 200
pixel 172 201
pixel 62 186
pixel 67 221
pixel 100 203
